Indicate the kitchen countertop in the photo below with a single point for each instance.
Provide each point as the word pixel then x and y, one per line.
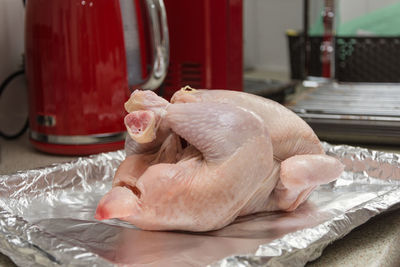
pixel 376 243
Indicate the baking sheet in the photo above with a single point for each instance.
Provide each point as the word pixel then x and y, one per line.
pixel 46 218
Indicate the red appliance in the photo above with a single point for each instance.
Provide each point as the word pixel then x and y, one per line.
pixel 80 66
pixel 79 78
pixel 206 45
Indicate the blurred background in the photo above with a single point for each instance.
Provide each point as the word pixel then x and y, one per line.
pixel 11 36
pixel 265 24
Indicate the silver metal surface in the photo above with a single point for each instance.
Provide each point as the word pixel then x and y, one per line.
pixel 77 139
pixel 364 100
pixel 46 218
pixel 160 37
pixel 159 44
pixel 352 112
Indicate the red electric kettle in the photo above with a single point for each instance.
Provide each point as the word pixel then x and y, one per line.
pixel 83 59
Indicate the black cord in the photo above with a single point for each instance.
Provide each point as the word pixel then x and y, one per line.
pixel 3 86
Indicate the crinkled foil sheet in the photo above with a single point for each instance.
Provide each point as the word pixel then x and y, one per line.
pixel 46 218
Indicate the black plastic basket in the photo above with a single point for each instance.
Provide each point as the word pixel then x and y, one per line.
pixel 357 59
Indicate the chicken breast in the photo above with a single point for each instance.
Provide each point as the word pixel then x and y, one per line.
pixel 210 156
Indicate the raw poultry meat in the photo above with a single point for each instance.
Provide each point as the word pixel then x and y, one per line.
pixel 210 156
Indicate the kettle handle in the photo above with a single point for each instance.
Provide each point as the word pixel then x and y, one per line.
pixel 160 44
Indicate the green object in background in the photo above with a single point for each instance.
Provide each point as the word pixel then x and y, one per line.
pixel 317 29
pixel 381 22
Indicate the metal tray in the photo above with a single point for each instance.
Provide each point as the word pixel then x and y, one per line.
pixel 46 219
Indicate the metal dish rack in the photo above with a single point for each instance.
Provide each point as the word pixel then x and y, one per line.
pixel 357 113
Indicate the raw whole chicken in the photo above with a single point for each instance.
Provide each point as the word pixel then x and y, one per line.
pixel 210 156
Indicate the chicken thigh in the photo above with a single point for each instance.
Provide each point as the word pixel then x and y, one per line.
pixel 210 156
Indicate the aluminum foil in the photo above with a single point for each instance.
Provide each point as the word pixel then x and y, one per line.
pixel 47 218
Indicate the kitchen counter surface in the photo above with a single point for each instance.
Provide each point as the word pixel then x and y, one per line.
pixel 376 243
